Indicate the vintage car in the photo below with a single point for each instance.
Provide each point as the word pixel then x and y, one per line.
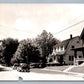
pixel 23 67
pixel 36 65
pixel 15 66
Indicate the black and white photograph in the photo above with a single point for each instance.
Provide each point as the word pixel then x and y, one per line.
pixel 42 42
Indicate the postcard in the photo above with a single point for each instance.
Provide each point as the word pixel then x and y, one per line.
pixel 42 42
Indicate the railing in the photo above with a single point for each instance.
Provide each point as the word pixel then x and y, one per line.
pixel 79 59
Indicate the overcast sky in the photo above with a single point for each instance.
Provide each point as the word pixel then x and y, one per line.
pixel 28 20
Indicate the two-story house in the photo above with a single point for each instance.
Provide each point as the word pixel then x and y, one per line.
pixel 78 59
pixel 63 52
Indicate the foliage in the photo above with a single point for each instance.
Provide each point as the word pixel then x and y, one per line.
pixel 2 60
pixel 9 47
pixel 26 52
pixel 46 41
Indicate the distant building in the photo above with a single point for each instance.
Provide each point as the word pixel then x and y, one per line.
pixel 63 52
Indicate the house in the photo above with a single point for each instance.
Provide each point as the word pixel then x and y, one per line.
pixel 78 59
pixel 63 53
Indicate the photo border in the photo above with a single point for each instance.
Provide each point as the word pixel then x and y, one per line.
pixel 41 1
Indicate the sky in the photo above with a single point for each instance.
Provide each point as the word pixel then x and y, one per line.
pixel 21 21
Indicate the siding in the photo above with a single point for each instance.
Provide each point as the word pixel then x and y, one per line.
pixel 69 52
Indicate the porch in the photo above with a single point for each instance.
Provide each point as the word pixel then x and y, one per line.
pixel 56 59
pixel 78 60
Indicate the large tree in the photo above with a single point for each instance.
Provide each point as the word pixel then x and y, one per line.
pixel 2 59
pixel 26 52
pixel 46 41
pixel 9 45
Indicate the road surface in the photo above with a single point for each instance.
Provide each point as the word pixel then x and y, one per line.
pixel 36 74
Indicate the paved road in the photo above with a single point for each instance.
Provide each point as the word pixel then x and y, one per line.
pixel 35 74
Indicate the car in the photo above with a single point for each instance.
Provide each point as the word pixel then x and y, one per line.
pixel 15 66
pixel 23 67
pixel 36 65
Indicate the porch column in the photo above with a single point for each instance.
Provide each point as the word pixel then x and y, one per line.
pixel 56 59
pixel 75 56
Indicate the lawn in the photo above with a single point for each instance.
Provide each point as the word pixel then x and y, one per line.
pixel 45 71
pixel 61 68
pixel 79 69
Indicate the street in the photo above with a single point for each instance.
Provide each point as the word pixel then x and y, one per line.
pixel 37 75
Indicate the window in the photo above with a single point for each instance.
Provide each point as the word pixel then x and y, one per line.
pixel 80 56
pixel 61 47
pixel 71 58
pixel 77 41
pixel 73 46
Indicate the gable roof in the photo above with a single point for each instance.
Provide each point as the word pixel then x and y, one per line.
pixel 65 42
pixel 82 34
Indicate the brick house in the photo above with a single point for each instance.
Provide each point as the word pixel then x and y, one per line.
pixel 63 53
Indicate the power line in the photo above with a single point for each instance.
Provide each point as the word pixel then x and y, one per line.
pixel 75 19
pixel 27 32
pixel 55 33
pixel 69 27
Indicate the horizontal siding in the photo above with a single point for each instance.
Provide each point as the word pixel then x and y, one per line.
pixel 69 52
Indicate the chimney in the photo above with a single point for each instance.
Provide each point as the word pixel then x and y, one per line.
pixel 70 36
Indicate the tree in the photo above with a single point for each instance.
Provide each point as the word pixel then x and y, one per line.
pixel 10 46
pixel 20 52
pixel 26 52
pixel 46 41
pixel 2 60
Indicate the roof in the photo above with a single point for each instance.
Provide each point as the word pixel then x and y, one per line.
pixel 82 34
pixel 80 48
pixel 65 42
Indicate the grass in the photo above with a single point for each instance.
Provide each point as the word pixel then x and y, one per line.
pixel 79 69
pixel 61 68
pixel 48 72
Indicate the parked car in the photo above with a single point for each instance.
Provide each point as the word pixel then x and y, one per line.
pixel 36 65
pixel 23 67
pixel 15 66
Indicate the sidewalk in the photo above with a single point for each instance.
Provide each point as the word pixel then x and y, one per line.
pixel 69 68
pixel 48 77
pixel 70 73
